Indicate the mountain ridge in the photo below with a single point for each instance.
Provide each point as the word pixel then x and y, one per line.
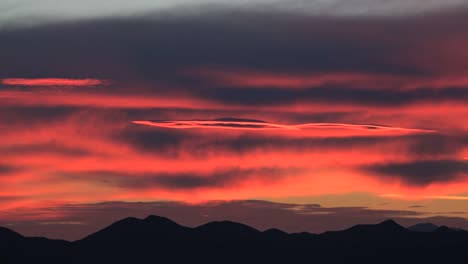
pixel 132 239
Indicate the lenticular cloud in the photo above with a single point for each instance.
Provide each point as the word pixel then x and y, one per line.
pixel 251 124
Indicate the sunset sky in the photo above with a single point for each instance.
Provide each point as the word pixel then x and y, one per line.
pixel 334 111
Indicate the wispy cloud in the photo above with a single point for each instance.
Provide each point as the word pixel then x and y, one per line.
pixel 247 124
pixel 356 80
pixel 52 82
pixel 226 123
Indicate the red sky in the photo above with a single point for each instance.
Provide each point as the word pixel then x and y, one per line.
pixel 195 108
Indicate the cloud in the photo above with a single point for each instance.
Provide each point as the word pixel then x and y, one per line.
pixel 178 143
pixel 248 124
pixel 18 11
pixel 422 172
pixel 362 127
pixel 141 162
pixel 164 141
pixel 6 169
pixel 10 198
pixel 356 80
pixel 333 95
pixel 316 99
pixel 221 178
pixel 227 123
pixel 322 81
pixel 52 82
pixel 251 40
pixel 43 148
pixel 15 115
pixel 433 145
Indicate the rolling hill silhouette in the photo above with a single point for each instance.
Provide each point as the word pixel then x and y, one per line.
pixel 159 240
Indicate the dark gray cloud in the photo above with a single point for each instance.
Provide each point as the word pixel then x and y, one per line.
pixel 173 142
pixel 371 96
pixel 17 115
pixel 30 12
pixel 438 144
pixel 246 143
pixel 416 206
pixel 422 172
pixel 186 181
pixel 44 148
pixel 7 169
pixel 158 141
pixel 151 54
pixel 155 47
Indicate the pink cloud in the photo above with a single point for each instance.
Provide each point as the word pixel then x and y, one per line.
pixel 246 124
pixel 52 82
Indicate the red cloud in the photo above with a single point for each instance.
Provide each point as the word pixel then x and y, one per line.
pixel 412 78
pixel 246 124
pixel 248 78
pixel 218 123
pixel 53 82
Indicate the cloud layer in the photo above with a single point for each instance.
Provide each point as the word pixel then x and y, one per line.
pixel 29 12
pixel 355 101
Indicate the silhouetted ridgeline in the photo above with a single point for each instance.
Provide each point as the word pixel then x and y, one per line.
pixel 159 240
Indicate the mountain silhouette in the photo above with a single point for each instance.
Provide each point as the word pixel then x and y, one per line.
pixel 226 230
pixel 7 234
pixel 157 239
pixel 444 229
pixel 388 226
pixel 423 227
pixel 134 232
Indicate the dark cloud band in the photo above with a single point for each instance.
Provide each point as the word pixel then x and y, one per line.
pixel 423 172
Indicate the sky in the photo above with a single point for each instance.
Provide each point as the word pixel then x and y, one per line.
pixel 356 109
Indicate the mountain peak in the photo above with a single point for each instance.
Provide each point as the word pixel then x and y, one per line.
pixel 390 222
pixel 387 226
pixel 131 231
pixel 274 232
pixel 162 223
pixel 8 233
pixel 227 227
pixel 156 218
pixel 391 225
pixel 423 227
pixel 444 229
